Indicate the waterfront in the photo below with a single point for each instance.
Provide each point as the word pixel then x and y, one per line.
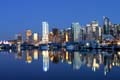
pixel 60 65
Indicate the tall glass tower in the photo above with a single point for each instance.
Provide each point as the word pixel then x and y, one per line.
pixel 76 32
pixel 106 26
pixel 45 32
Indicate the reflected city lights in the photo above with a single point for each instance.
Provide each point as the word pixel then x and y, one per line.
pixel 45 61
pixel 28 57
pixel 75 59
pixel 35 54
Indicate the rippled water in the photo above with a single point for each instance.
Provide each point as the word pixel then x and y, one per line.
pixel 59 65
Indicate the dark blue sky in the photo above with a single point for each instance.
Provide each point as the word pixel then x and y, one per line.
pixel 18 15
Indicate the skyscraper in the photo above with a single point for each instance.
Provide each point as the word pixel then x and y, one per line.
pixel 19 38
pixel 100 33
pixel 35 37
pixel 76 31
pixel 95 30
pixel 45 32
pixel 106 26
pixel 28 36
pixel 92 31
pixel 55 35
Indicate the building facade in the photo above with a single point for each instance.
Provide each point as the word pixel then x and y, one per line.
pixel 45 32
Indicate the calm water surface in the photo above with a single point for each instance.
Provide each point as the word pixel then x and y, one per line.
pixel 59 65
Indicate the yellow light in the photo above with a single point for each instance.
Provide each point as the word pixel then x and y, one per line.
pixel 95 64
pixel 35 36
pixel 66 37
pixel 28 57
pixel 66 55
pixel 36 54
pixel 51 58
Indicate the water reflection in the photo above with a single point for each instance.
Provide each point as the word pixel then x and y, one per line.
pixel 75 59
pixel 35 54
pixel 28 57
pixel 45 61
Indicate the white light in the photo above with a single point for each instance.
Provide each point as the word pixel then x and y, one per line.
pixel 0 42
pixel 118 43
pixel 45 69
pixel 118 53
pixel 87 44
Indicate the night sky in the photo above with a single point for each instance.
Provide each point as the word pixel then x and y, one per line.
pixel 19 15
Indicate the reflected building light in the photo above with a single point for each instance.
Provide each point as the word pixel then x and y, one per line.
pixel 35 54
pixel 113 64
pixel 68 58
pixel 45 61
pixel 69 62
pixel 66 55
pixel 100 58
pixel 28 57
pixel 118 52
pixel 95 65
pixel 105 70
pixel 89 60
pixel 18 47
pixel 19 55
pixel 77 61
pixel 10 50
pixel 51 55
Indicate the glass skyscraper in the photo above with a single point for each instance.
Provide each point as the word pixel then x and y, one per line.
pixel 106 27
pixel 45 32
pixel 76 32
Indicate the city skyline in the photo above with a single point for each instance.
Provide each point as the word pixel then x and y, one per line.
pixel 17 16
pixel 70 26
pixel 59 39
pixel 90 31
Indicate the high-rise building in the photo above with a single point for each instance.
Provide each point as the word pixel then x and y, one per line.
pixel 100 33
pixel 88 32
pixel 95 30
pixel 76 31
pixel 118 31
pixel 92 31
pixel 35 38
pixel 45 32
pixel 106 26
pixel 28 36
pixel 50 37
pixel 69 31
pixel 56 35
pixel 19 38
